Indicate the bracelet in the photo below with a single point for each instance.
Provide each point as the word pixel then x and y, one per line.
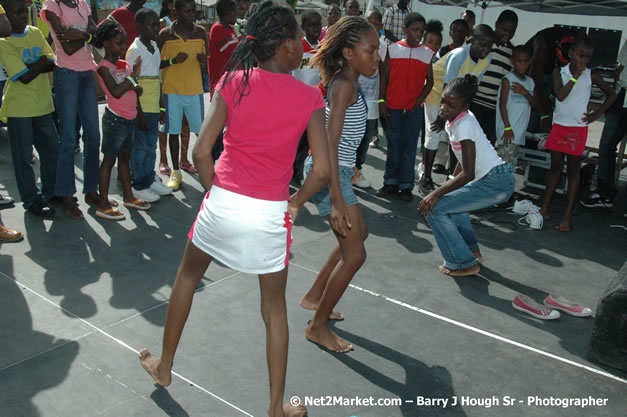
pixel 381 101
pixel 90 38
pixel 171 61
pixel 132 81
pixel 162 109
pixel 507 128
pixel 574 80
pixel 544 116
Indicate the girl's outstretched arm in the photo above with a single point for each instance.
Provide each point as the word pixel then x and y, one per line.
pixel 211 129
pixel 466 175
pixel 610 96
pixel 340 94
pixel 319 176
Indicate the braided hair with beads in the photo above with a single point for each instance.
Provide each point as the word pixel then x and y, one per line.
pixel 346 33
pixel 267 29
pixel 107 29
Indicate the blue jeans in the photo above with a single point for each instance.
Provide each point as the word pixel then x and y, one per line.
pixel 144 153
pixel 75 92
pixel 613 132
pixel 24 133
pixel 402 133
pixel 451 224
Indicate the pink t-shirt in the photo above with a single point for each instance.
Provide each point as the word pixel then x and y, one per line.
pixel 262 133
pixel 77 18
pixel 125 106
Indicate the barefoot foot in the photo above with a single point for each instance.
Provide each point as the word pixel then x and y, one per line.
pixel 564 226
pixel 294 410
pixel 478 256
pixel 545 214
pixel 70 207
pixel 327 339
pixel 152 365
pixel 309 305
pixel 464 272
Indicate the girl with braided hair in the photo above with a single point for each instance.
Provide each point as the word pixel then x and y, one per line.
pixel 481 180
pixel 350 49
pixel 245 219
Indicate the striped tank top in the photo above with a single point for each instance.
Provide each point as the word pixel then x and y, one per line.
pixel 353 130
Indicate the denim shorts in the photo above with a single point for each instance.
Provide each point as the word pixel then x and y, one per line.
pixel 117 134
pixel 322 199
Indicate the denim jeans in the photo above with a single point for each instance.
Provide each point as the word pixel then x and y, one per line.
pixel 144 153
pixel 403 131
pixel 451 224
pixel 75 93
pixel 613 132
pixel 24 133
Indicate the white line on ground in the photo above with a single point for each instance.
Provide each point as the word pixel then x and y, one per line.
pixel 477 330
pixel 122 343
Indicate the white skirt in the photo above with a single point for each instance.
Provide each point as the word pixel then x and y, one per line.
pixel 243 233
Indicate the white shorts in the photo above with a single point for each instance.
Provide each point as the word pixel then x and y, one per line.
pixel 243 233
pixel 433 139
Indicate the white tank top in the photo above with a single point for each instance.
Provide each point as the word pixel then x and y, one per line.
pixel 570 111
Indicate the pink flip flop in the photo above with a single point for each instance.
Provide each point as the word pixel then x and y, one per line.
pixel 527 305
pixel 187 167
pixel 560 303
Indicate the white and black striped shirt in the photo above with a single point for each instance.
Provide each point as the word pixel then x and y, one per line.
pixel 353 130
pixel 500 64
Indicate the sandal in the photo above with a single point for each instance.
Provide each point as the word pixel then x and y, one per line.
pixel 164 169
pixel 110 214
pixel 187 167
pixel 137 204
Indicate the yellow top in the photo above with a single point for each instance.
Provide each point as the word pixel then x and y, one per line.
pixel 185 78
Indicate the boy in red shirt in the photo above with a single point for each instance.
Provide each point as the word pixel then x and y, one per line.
pixel 222 40
pixel 404 89
pixel 125 16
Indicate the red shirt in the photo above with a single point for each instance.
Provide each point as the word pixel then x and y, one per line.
pixel 126 18
pixel 222 42
pixel 408 71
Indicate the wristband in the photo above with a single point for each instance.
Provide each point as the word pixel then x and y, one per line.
pixel 90 38
pixel 544 116
pixel 162 109
pixel 171 61
pixel 574 80
pixel 507 128
pixel 132 81
pixel 381 101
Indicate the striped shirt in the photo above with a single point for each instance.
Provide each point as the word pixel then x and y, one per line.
pixel 353 130
pixel 500 64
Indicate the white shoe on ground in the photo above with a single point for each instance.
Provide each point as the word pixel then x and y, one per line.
pixel 147 195
pixel 159 188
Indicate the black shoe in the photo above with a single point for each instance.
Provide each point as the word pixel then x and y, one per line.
pixel 41 208
pixel 595 200
pixel 439 169
pixel 387 190
pixel 406 195
pixel 425 185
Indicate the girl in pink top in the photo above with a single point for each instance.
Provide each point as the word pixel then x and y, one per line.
pixel 245 219
pixel 118 121
pixel 75 95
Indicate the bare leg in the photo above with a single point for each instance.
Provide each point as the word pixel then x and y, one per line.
pixel 552 181
pixel 104 178
pixel 163 153
pixel 184 141
pixel 573 165
pixel 174 151
pixel 353 255
pixel 311 300
pixel 193 266
pixel 124 170
pixel 428 158
pixel 274 314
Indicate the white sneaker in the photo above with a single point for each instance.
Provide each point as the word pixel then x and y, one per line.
pixel 524 207
pixel 159 188
pixel 363 181
pixel 147 195
pixel 535 220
